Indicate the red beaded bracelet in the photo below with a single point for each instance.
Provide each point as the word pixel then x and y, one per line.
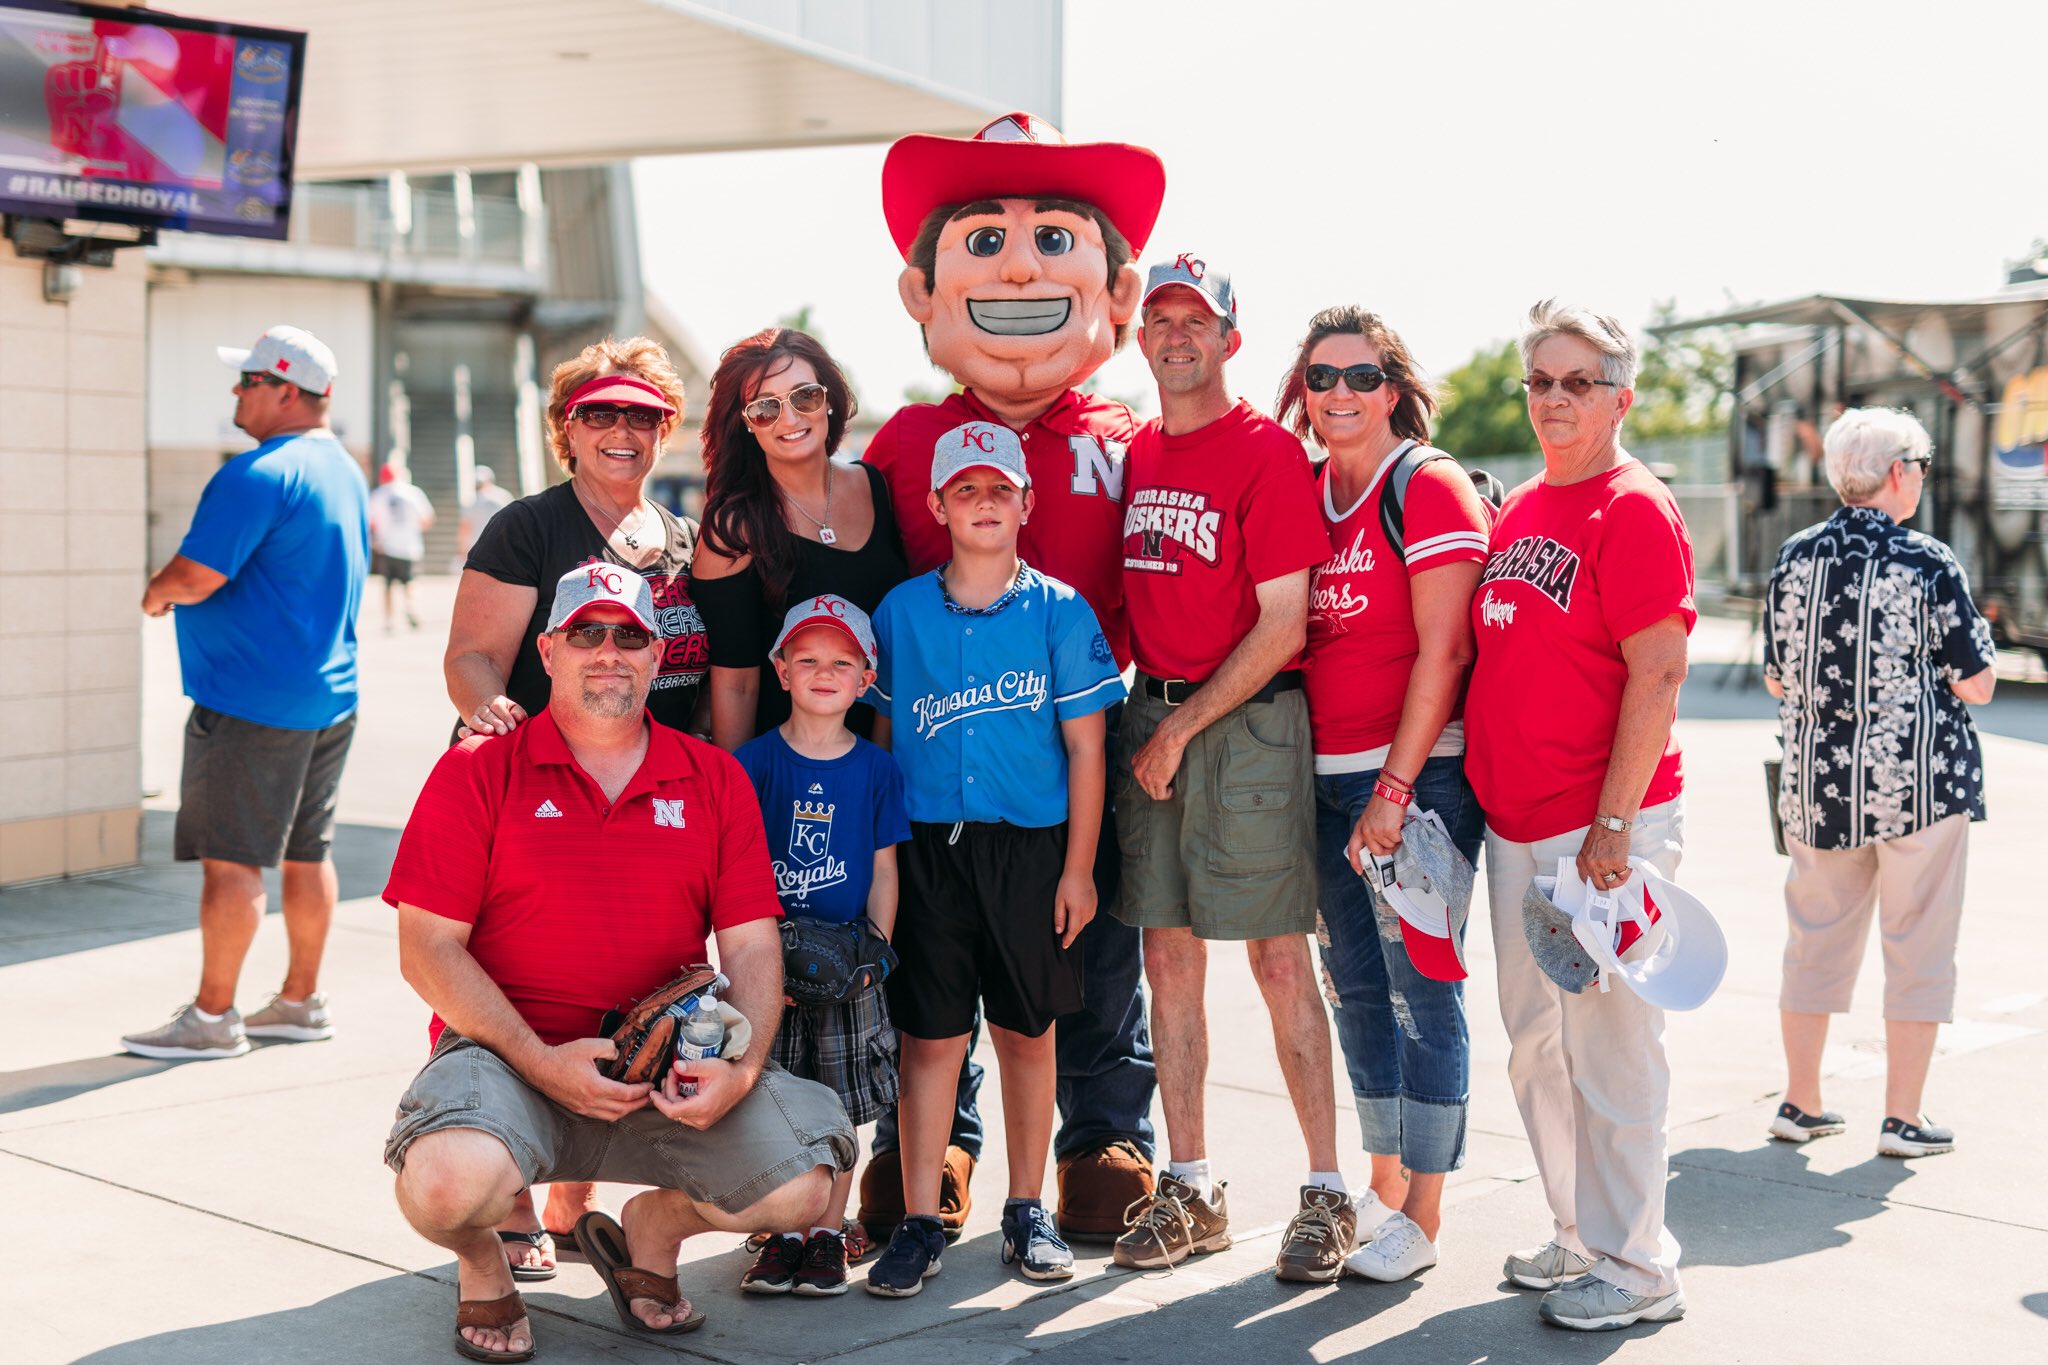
pixel 1399 798
pixel 1400 783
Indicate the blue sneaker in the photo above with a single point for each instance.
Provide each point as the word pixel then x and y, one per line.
pixel 1032 1244
pixel 911 1258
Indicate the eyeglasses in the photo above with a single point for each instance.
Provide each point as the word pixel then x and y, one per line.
pixel 1578 386
pixel 1357 378
pixel 1926 462
pixel 258 379
pixel 605 416
pixel 629 636
pixel 804 399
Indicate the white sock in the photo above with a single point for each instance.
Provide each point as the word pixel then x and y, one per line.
pixel 207 1018
pixel 796 1237
pixel 825 1232
pixel 1195 1174
pixel 1330 1180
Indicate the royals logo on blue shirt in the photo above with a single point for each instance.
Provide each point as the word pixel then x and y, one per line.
pixel 825 819
pixel 975 698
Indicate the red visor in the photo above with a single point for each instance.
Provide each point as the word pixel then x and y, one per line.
pixel 621 388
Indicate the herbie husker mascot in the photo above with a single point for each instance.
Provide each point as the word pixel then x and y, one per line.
pixel 1019 248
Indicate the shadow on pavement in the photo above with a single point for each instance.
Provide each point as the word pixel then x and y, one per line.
pixel 2036 1304
pixel 60 1081
pixel 1809 1211
pixel 1503 1331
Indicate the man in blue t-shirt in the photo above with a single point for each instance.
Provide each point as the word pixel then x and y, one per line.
pixel 267 584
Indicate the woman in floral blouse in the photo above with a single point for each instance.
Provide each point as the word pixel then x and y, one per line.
pixel 1874 649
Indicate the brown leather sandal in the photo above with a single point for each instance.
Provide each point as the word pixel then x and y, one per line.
pixel 497 1314
pixel 604 1242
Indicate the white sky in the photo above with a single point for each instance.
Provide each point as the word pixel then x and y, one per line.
pixel 1447 164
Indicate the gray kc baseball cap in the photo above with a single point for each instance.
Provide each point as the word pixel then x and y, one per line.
pixel 1191 270
pixel 830 609
pixel 979 445
pixel 600 584
pixel 1551 942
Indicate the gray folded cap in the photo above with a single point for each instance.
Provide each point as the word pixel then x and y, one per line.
pixel 1427 893
pixel 1551 943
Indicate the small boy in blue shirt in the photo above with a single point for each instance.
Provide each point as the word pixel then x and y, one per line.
pixel 992 684
pixel 834 809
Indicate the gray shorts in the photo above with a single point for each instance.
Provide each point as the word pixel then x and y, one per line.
pixel 783 1128
pixel 1231 854
pixel 253 794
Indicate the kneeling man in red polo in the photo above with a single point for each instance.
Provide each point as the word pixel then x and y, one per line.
pixel 544 877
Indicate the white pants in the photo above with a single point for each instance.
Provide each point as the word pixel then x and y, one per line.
pixel 1589 1073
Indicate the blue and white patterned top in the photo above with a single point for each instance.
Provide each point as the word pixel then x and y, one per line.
pixel 1869 624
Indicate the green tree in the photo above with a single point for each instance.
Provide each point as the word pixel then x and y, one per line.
pixel 1483 414
pixel 1683 383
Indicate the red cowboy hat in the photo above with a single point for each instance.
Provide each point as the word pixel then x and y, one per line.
pixel 1019 156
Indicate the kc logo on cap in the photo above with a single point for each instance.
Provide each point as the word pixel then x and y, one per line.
pixel 832 610
pixel 600 584
pixel 978 445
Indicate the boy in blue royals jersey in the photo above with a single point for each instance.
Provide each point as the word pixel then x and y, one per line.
pixel 992 686
pixel 834 810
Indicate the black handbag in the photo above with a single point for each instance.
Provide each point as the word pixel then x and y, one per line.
pixel 1773 767
pixel 828 963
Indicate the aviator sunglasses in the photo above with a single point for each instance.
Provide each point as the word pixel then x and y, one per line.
pixel 605 416
pixel 629 636
pixel 1357 378
pixel 804 400
pixel 1578 386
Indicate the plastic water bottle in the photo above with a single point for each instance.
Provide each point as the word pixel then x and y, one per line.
pixel 703 1032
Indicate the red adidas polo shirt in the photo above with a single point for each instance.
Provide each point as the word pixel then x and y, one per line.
pixel 579 904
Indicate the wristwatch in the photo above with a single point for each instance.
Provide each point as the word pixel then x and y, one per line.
pixel 1614 822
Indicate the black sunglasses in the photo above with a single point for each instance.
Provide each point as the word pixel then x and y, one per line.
pixel 605 416
pixel 257 378
pixel 1926 462
pixel 630 636
pixel 1357 378
pixel 1578 386
pixel 804 399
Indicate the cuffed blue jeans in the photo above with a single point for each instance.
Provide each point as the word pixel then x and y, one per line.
pixel 1405 1041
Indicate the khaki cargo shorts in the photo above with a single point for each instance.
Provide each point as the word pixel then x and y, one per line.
pixel 1231 854
pixel 782 1129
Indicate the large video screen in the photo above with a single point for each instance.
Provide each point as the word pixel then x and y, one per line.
pixel 157 120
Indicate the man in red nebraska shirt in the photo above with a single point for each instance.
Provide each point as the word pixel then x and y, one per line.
pixel 1017 248
pixel 544 877
pixel 1216 807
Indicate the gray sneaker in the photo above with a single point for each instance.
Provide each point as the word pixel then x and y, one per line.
pixel 1591 1304
pixel 304 1022
pixel 1547 1267
pixel 189 1038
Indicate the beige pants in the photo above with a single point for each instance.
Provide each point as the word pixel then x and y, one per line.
pixel 1589 1073
pixel 1916 886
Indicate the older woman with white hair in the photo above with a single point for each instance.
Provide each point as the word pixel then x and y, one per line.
pixel 1581 620
pixel 1874 649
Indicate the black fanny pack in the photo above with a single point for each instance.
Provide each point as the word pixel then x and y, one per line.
pixel 828 963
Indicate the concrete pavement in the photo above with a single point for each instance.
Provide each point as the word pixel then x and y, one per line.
pixel 237 1211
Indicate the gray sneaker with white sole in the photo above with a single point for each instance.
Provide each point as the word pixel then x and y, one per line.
pixel 1547 1267
pixel 294 1021
pixel 188 1038
pixel 1591 1304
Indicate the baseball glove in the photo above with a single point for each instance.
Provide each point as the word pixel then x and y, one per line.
pixel 645 1031
pixel 825 963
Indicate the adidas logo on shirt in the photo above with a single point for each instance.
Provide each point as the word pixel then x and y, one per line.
pixel 548 811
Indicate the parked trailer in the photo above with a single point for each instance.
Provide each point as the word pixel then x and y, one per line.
pixel 1975 372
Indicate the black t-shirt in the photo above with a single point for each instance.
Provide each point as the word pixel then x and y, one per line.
pixel 534 541
pixel 744 624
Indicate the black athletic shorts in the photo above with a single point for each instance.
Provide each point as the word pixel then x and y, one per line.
pixel 391 570
pixel 975 922
pixel 253 794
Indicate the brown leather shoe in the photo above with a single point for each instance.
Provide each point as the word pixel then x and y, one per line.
pixel 1321 1234
pixel 881 1194
pixel 1173 1225
pixel 1097 1186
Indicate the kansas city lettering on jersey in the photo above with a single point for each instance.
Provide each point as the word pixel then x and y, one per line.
pixel 1332 597
pixel 1017 690
pixel 1162 524
pixel 1542 563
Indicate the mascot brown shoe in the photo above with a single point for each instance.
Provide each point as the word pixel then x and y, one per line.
pixel 1096 1186
pixel 881 1195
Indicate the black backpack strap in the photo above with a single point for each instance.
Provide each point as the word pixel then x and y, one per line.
pixel 1394 492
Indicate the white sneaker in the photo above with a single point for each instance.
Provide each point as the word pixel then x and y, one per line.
pixel 1591 1304
pixel 1547 1267
pixel 1370 1211
pixel 1397 1251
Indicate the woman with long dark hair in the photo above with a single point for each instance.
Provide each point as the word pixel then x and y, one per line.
pixel 782 519
pixel 1388 646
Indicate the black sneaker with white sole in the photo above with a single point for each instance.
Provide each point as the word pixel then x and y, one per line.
pixel 912 1257
pixel 1903 1137
pixel 1794 1124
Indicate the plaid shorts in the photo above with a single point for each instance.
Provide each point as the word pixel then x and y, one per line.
pixel 849 1049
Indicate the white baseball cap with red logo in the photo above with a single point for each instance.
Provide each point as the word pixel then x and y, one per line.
pixel 289 353
pixel 600 584
pixel 978 445
pixel 830 609
pixel 1192 272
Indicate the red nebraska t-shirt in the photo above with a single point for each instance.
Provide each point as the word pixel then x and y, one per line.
pixel 579 904
pixel 1573 571
pixel 1361 619
pixel 1074 454
pixel 1208 516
